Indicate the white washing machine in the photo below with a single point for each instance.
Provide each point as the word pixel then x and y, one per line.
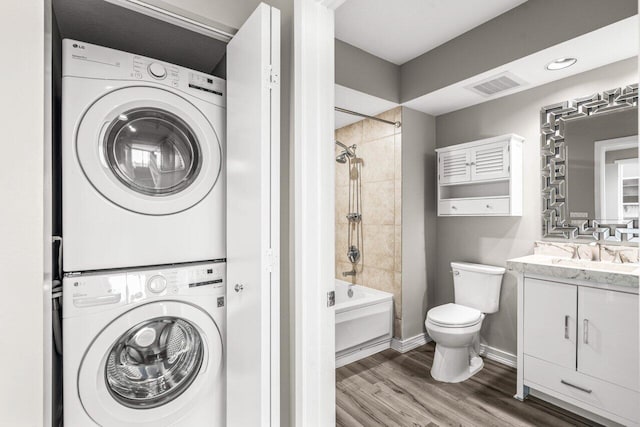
pixel 142 162
pixel 145 347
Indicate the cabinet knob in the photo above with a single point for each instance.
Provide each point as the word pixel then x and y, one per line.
pixel 453 207
pixel 489 207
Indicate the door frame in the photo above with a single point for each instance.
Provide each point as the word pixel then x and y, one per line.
pixel 314 213
pixel 600 149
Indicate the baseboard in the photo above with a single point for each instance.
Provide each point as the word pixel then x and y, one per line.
pixel 407 344
pixel 498 355
pixel 361 353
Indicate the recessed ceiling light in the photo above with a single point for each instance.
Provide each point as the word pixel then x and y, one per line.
pixel 560 63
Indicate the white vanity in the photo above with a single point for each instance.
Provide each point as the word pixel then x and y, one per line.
pixel 578 334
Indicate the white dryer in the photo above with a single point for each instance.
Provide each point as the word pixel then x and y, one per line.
pixel 142 161
pixel 145 347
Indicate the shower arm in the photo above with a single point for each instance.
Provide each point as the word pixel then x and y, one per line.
pixel 349 150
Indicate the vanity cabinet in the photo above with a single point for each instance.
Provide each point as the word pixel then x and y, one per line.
pixel 580 344
pixel 481 178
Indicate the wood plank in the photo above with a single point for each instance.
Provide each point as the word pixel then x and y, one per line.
pixel 394 389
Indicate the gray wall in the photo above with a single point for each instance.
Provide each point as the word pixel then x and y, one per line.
pixel 418 218
pixel 526 29
pixel 493 240
pixel 361 71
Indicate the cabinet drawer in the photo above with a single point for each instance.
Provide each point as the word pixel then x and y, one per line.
pixel 485 206
pixel 603 395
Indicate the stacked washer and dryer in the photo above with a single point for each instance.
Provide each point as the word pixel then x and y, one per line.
pixel 144 241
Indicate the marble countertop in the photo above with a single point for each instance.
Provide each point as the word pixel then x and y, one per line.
pixel 618 274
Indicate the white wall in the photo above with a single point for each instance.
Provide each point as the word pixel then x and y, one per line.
pixel 22 40
pixel 497 239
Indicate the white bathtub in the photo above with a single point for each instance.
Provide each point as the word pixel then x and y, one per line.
pixel 364 322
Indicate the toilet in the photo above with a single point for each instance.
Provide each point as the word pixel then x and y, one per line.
pixel 455 327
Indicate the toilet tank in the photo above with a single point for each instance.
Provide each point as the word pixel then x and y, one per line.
pixel 477 286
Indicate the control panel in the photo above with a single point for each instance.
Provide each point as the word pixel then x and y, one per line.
pixel 104 291
pixel 85 60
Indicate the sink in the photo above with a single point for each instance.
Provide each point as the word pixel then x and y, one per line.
pixel 596 265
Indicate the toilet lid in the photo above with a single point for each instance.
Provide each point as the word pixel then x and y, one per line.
pixel 454 315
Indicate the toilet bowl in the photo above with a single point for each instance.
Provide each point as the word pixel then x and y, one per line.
pixel 455 327
pixel 457 342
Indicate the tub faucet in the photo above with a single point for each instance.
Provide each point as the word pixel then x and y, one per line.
pixel 349 273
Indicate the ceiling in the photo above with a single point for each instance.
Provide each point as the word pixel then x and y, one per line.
pixel 363 103
pixel 595 49
pixel 399 31
pixel 598 48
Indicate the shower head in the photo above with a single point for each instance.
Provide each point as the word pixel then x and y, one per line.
pixel 346 153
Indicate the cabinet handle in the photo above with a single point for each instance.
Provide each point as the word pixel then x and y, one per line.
pixel 566 327
pixel 586 390
pixel 585 332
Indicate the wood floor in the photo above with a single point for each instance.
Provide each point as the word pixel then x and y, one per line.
pixel 394 389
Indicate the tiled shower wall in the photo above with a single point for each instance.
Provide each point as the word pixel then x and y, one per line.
pixel 379 147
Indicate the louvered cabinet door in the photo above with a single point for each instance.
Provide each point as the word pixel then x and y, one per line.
pixel 490 161
pixel 453 166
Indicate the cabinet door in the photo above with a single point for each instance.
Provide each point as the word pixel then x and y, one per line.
pixel 490 161
pixel 608 336
pixel 453 166
pixel 550 313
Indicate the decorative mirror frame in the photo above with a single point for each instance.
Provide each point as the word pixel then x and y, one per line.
pixel 553 119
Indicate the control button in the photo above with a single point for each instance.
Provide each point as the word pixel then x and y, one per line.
pixel 156 284
pixel 138 75
pixel 157 70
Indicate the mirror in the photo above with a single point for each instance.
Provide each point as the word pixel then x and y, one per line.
pixel 590 172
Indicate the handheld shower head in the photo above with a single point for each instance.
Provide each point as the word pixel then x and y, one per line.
pixel 347 152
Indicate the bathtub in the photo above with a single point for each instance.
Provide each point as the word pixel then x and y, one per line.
pixel 364 322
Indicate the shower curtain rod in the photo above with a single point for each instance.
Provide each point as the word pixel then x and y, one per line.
pixel 366 116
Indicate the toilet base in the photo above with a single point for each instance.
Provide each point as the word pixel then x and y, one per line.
pixel 453 365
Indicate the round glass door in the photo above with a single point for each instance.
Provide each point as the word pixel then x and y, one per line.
pixel 154 362
pixel 152 151
pixel 149 150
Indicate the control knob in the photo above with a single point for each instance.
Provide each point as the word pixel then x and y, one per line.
pixel 157 70
pixel 156 284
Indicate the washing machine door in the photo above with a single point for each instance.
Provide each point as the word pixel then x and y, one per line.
pixel 148 150
pixel 151 366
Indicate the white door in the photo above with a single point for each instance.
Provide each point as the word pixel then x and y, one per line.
pixel 253 170
pixel 608 336
pixel 550 311
pixel 490 161
pixel 453 166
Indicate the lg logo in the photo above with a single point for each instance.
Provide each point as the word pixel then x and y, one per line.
pixel 77 46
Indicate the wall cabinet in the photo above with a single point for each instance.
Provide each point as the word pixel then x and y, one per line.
pixel 481 178
pixel 580 344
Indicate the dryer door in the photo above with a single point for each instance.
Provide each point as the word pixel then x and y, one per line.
pixel 148 150
pixel 154 372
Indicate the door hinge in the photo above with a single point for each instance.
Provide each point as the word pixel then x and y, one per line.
pixel 270 260
pixel 331 298
pixel 274 78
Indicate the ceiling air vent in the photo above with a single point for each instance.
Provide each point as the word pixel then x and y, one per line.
pixel 496 84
